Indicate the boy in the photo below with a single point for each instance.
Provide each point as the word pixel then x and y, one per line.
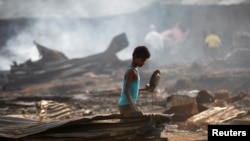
pixel 131 82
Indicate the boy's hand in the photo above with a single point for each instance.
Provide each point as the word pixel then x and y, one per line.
pixel 148 88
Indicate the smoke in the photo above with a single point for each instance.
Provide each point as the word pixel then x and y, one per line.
pixel 69 26
pixel 81 28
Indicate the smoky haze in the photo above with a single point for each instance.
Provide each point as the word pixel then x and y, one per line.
pixel 66 26
pixel 81 28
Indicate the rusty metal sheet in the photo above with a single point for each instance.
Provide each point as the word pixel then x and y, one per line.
pixel 98 127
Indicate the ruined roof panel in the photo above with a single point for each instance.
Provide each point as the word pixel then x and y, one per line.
pixel 97 127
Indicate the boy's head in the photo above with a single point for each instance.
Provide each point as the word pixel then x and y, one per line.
pixel 140 55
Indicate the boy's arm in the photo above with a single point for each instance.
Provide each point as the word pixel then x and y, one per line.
pixel 146 88
pixel 142 89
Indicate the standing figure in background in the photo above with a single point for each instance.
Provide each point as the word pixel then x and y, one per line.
pixel 154 42
pixel 212 44
pixel 174 38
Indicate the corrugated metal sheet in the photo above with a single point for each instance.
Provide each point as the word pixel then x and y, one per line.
pixel 98 127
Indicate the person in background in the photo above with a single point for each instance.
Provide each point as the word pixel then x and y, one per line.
pixel 174 38
pixel 153 40
pixel 213 43
pixel 131 82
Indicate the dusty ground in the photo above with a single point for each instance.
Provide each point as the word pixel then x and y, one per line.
pixel 103 102
pixel 185 136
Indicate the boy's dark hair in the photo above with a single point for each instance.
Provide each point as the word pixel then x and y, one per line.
pixel 141 52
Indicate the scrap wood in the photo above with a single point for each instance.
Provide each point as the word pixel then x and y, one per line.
pixel 214 115
pixel 242 121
